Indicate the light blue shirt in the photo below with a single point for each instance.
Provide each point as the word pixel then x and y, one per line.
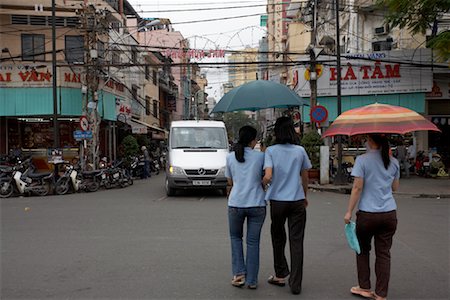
pixel 287 161
pixel 247 188
pixel 376 195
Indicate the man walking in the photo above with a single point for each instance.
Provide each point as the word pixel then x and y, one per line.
pixel 146 162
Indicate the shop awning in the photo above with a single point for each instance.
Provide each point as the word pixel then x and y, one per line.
pixel 148 125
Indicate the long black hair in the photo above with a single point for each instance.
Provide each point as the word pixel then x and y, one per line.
pixel 383 143
pixel 285 131
pixel 246 135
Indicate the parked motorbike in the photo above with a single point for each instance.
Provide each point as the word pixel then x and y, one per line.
pixel 116 176
pixel 155 166
pixel 137 166
pixel 68 181
pixel 30 182
pixel 6 181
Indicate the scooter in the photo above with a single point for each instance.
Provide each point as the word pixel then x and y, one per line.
pixel 68 181
pixel 32 183
pixel 6 181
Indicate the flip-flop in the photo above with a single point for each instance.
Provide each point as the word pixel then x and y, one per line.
pixel 274 281
pixel 356 290
pixel 238 281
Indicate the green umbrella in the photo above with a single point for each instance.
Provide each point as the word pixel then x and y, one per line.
pixel 256 95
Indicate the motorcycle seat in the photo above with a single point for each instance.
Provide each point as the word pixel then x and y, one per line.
pixel 91 173
pixel 6 169
pixel 39 175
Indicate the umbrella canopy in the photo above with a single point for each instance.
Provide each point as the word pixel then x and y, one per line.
pixel 256 95
pixel 378 118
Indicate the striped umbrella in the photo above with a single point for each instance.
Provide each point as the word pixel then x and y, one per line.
pixel 378 118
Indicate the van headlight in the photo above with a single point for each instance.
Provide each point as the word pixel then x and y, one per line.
pixel 176 170
pixel 221 172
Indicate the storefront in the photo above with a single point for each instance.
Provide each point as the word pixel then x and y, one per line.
pixel 438 112
pixel 391 77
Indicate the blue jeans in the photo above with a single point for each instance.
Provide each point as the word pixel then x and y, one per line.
pixel 255 219
pixel 146 169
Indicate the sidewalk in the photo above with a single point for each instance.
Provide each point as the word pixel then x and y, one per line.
pixel 414 186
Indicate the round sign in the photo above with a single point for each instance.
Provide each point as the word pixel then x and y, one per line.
pixel 84 123
pixel 319 114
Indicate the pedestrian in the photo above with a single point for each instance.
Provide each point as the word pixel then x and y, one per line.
pixel 146 162
pixel 286 172
pixel 376 176
pixel 403 159
pixel 244 170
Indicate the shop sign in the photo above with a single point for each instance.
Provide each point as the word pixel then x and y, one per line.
pixel 194 53
pixel 440 90
pixel 388 72
pixel 138 129
pixel 158 136
pixel 123 110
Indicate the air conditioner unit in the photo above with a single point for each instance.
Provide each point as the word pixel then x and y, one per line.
pixel 381 30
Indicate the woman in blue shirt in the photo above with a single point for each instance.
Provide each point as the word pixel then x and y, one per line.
pixel 245 202
pixel 376 175
pixel 286 169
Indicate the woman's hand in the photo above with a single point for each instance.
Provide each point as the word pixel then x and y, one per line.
pixel 347 217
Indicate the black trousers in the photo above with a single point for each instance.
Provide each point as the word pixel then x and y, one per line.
pixel 295 213
pixel 381 227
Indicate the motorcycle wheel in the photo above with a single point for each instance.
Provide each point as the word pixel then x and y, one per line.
pixel 45 189
pixel 108 185
pixel 92 186
pixel 6 189
pixel 62 186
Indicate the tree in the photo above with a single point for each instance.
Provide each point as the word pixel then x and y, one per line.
pixel 130 146
pixel 418 16
pixel 235 120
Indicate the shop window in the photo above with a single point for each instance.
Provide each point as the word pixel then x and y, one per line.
pixel 134 55
pixel 155 108
pixel 33 47
pixel 147 72
pixel 154 77
pixel 74 48
pixel 382 46
pixel 147 106
pixel 115 58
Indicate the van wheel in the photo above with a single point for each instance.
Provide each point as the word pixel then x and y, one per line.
pixel 169 191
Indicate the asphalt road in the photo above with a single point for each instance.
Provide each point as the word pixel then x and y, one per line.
pixel 135 243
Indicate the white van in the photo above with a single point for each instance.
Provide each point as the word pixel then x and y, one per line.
pixel 197 156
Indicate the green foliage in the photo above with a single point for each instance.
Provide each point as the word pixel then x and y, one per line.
pixel 142 140
pixel 130 146
pixel 235 120
pixel 418 16
pixel 312 141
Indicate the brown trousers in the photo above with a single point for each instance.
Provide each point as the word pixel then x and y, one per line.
pixel 381 227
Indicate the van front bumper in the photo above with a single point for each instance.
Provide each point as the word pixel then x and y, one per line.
pixel 187 182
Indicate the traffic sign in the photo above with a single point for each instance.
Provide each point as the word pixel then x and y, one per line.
pixel 319 114
pixel 84 123
pixel 82 135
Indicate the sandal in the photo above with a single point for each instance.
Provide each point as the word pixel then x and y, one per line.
pixel 276 281
pixel 376 297
pixel 356 290
pixel 252 286
pixel 238 280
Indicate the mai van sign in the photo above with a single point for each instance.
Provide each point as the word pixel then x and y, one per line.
pixel 363 74
pixel 39 75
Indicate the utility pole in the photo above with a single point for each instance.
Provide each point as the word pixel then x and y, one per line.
pixel 54 81
pixel 312 66
pixel 339 176
pixel 94 23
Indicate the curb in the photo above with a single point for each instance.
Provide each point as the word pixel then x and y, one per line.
pixel 348 189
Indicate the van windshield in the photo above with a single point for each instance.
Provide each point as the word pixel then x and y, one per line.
pixel 198 138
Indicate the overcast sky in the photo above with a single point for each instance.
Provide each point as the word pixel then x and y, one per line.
pixel 227 34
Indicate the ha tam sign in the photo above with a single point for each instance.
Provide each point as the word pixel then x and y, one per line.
pixel 388 72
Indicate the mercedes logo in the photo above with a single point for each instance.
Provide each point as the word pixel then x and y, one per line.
pixel 201 171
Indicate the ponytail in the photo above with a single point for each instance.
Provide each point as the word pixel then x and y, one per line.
pixel 383 142
pixel 246 135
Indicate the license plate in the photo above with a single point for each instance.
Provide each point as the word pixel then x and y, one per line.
pixel 116 175
pixel 201 182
